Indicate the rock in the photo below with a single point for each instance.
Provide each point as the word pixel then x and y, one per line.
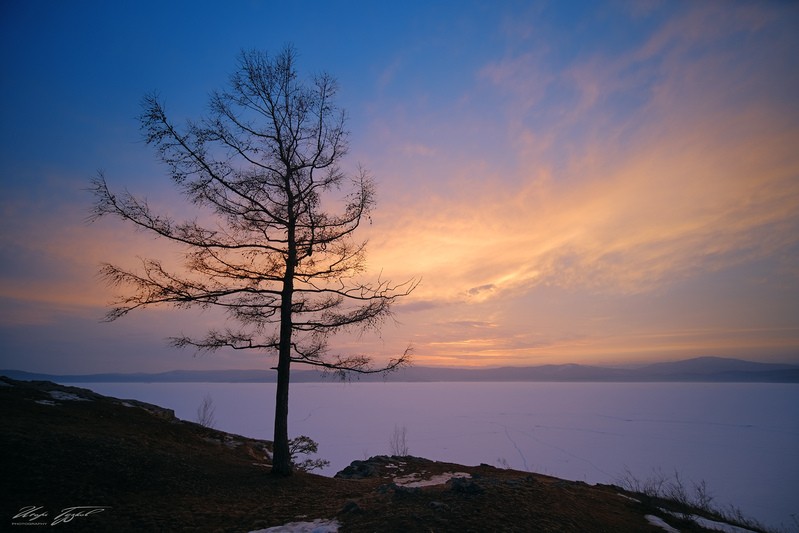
pixel 155 410
pixel 439 506
pixel 465 486
pixel 386 488
pixel 351 507
pixel 401 491
pixel 357 470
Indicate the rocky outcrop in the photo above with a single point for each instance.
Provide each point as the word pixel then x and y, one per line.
pixel 53 394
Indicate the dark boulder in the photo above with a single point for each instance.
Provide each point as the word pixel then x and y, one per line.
pixel 358 470
pixel 464 485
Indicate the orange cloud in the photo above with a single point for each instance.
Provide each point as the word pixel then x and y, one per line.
pixel 667 163
pixel 607 180
pixel 699 177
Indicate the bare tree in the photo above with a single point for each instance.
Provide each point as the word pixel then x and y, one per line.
pixel 288 272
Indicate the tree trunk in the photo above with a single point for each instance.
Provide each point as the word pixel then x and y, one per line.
pixel 281 456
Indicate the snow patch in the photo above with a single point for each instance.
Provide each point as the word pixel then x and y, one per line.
pixel 711 524
pixel 657 521
pixel 718 526
pixel 66 396
pixel 412 480
pixel 319 525
pixel 46 402
pixel 628 497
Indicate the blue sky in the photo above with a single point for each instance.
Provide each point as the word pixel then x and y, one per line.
pixel 597 182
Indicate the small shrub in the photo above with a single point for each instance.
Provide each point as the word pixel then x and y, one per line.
pixel 702 497
pixel 676 491
pixel 303 445
pixel 398 444
pixel 503 463
pixel 206 412
pixel 652 486
pixel 689 500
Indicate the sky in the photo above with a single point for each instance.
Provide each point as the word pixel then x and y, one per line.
pixel 608 183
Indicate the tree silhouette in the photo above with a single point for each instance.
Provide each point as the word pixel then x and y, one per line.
pixel 262 169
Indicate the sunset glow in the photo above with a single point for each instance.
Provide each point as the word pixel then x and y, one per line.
pixel 611 184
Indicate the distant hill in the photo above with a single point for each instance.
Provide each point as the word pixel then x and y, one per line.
pixel 701 369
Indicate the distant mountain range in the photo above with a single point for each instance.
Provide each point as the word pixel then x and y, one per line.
pixel 701 369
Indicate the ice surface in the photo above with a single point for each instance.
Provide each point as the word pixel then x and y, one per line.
pixel 741 439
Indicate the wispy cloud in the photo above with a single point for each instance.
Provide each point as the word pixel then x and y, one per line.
pixel 612 174
pixel 616 183
pixel 700 176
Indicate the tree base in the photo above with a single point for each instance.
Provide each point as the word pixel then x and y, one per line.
pixel 281 472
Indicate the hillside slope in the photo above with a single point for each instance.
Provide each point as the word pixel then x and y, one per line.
pixel 131 466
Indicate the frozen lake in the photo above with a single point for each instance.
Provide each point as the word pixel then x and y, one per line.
pixel 741 439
